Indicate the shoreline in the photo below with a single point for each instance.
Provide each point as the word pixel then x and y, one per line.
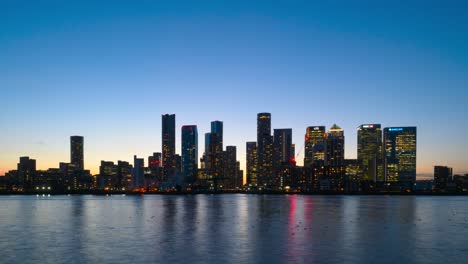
pixel 97 193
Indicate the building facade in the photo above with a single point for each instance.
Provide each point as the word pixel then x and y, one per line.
pixel 168 145
pixel 77 152
pixel 265 175
pixel 251 163
pixel 370 154
pixel 400 154
pixel 189 153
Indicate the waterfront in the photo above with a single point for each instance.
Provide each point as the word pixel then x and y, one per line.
pixel 233 228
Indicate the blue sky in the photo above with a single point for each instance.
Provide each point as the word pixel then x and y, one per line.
pixel 107 70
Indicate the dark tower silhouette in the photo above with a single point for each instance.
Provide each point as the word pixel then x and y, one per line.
pixel 168 145
pixel 264 150
pixel 76 152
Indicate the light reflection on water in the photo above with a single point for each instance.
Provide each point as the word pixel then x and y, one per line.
pixel 233 229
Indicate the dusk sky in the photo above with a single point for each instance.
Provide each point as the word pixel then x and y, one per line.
pixel 108 70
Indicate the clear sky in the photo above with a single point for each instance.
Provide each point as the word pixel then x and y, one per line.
pixel 107 70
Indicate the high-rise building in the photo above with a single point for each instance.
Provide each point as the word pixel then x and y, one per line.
pixel 251 163
pixel 335 146
pixel 442 175
pixel 282 146
pixel 76 152
pixel 168 145
pixel 370 154
pixel 282 155
pixel 264 150
pixel 230 168
pixel 216 155
pixel 138 172
pixel 206 154
pixel 336 156
pixel 189 153
pixel 315 146
pixel 400 154
pixel 26 172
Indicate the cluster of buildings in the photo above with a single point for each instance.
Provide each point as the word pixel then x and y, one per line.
pixel 386 159
pixel 386 162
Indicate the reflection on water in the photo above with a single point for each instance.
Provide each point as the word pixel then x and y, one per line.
pixel 233 229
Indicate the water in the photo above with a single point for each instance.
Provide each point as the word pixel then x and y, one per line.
pixel 233 228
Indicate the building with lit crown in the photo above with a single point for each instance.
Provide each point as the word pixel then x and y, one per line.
pixel 400 154
pixel 370 153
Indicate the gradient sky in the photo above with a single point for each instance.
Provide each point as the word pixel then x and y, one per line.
pixel 107 70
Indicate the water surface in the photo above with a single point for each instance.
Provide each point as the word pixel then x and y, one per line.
pixel 233 228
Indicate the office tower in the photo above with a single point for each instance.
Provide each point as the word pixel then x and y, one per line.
pixel 370 154
pixel 76 152
pixel 400 154
pixel 138 172
pixel 124 174
pixel 282 146
pixel 189 153
pixel 315 147
pixel 335 146
pixel 230 167
pixel 264 150
pixel 215 154
pixel 168 145
pixel 442 175
pixel 335 156
pixel 251 163
pixel 26 172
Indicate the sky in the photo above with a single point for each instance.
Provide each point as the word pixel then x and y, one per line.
pixel 108 70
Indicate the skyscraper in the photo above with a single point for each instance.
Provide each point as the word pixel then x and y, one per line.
pixel 251 163
pixel 76 152
pixel 138 172
pixel 370 154
pixel 216 155
pixel 189 153
pixel 230 167
pixel 400 154
pixel 335 146
pixel 264 149
pixel 168 145
pixel 315 146
pixel 282 146
pixel 336 157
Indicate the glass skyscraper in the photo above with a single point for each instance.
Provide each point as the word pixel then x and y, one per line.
pixel 370 154
pixel 264 150
pixel 400 154
pixel 168 145
pixel 315 146
pixel 251 163
pixel 189 153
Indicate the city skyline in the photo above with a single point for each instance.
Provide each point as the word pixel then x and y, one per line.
pixel 107 72
pixel 76 143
